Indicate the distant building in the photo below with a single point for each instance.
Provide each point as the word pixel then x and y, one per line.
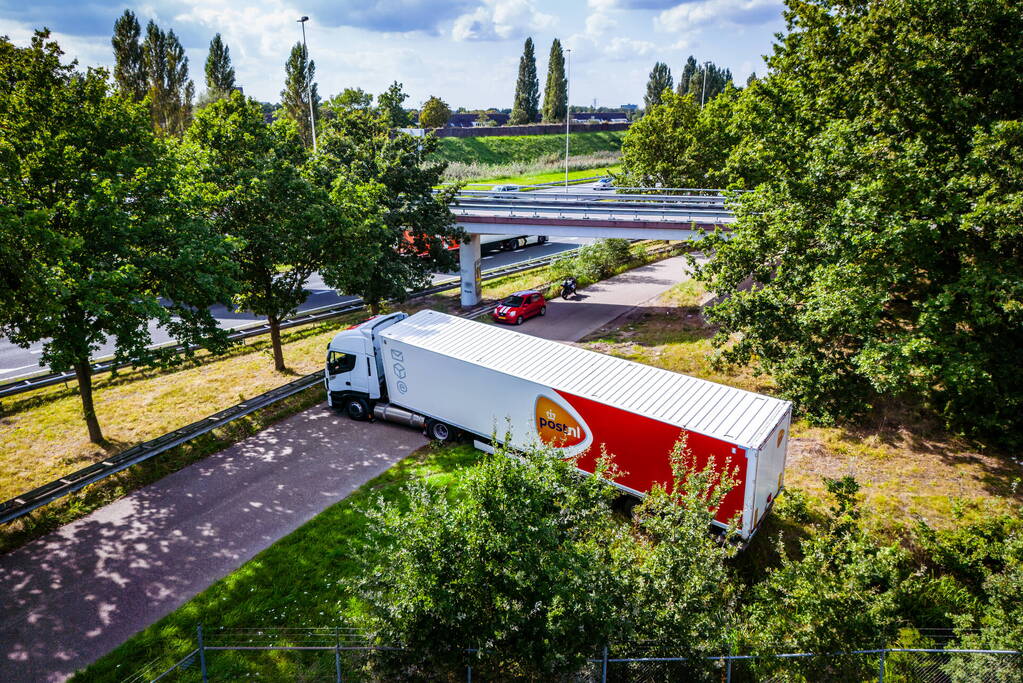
pixel 629 107
pixel 469 120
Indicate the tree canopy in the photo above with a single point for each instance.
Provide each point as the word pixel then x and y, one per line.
pixel 884 230
pixel 247 176
pixel 299 87
pixel 435 113
pixel 170 89
pixel 388 180
pixel 390 105
pixel 526 106
pixel 659 81
pixel 219 72
pixel 555 95
pixel 98 244
pixel 129 67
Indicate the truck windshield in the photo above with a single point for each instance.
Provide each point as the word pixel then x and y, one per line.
pixel 338 362
pixel 512 301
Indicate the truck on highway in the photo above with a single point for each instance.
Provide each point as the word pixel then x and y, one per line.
pixel 450 376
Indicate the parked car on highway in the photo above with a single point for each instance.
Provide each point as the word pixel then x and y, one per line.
pixel 505 188
pixel 604 184
pixel 516 308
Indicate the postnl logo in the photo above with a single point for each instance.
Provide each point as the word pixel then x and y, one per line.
pixel 555 426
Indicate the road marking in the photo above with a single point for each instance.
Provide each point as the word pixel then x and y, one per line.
pixel 23 367
pixel 35 351
pixel 515 251
pixel 486 257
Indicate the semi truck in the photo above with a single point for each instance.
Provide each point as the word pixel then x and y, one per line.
pixel 450 376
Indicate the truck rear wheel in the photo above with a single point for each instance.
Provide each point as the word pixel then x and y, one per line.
pixel 357 409
pixel 438 431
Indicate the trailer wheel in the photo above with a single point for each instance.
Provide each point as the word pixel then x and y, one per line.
pixel 508 245
pixel 357 409
pixel 438 431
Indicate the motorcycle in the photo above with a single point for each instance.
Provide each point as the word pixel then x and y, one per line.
pixel 568 287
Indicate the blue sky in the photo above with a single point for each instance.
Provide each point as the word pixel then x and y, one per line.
pixel 464 51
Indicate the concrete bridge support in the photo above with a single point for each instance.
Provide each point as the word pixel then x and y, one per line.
pixel 469 270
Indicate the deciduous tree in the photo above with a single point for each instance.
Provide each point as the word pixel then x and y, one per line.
pixel 219 72
pixel 129 65
pixel 884 232
pixel 104 246
pixel 659 81
pixel 389 104
pixel 299 87
pixel 170 90
pixel 435 113
pixel 526 106
pixel 388 179
pixel 248 176
pixel 555 96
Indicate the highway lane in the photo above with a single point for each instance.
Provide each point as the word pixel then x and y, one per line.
pixel 16 361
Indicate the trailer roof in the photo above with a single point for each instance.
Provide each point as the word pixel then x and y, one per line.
pixel 734 415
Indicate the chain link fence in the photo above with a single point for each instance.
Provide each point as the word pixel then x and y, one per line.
pixel 344 654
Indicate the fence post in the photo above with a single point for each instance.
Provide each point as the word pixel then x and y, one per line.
pixel 468 666
pixel 880 671
pixel 603 669
pixel 202 655
pixel 337 653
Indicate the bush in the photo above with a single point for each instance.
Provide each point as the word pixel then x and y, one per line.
pixel 593 262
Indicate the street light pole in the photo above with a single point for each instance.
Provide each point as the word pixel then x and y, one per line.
pixel 703 90
pixel 568 113
pixel 308 83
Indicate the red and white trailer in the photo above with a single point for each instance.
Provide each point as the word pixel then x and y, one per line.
pixel 447 374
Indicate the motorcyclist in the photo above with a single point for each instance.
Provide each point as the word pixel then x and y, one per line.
pixel 568 287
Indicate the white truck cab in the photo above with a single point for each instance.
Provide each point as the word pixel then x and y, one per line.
pixel 354 376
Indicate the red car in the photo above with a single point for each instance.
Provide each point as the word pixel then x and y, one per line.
pixel 519 306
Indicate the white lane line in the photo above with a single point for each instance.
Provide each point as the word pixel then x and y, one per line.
pixel 517 251
pixel 486 257
pixel 35 351
pixel 23 367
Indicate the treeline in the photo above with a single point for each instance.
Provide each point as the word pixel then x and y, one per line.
pixel 884 226
pixel 537 570
pixel 110 220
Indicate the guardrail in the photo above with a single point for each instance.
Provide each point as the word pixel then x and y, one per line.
pixel 23 504
pixel 39 381
pixel 20 506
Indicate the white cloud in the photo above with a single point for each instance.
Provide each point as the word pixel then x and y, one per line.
pixel 500 20
pixel 598 23
pixel 688 15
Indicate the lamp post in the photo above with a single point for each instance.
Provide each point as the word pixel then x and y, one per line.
pixel 703 90
pixel 568 113
pixel 308 83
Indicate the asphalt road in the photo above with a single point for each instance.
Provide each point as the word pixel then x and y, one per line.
pixel 16 361
pixel 72 596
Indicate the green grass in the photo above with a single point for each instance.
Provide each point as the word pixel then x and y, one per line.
pixel 525 148
pixel 303 580
pixel 537 178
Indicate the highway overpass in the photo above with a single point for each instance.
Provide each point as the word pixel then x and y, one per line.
pixel 568 214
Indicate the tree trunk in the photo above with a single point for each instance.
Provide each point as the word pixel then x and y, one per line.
pixel 275 342
pixel 83 371
pixel 374 308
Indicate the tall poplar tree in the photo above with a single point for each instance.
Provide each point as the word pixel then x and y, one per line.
pixel 299 85
pixel 688 70
pixel 219 72
pixel 129 67
pixel 526 108
pixel 170 89
pixel 555 96
pixel 660 80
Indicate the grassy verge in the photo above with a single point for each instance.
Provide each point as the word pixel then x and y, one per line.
pixel 303 580
pixel 547 169
pixel 525 148
pixel 908 467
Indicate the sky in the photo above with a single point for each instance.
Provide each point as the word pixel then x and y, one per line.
pixel 464 51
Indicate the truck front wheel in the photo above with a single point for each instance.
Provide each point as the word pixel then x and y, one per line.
pixel 357 409
pixel 438 431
